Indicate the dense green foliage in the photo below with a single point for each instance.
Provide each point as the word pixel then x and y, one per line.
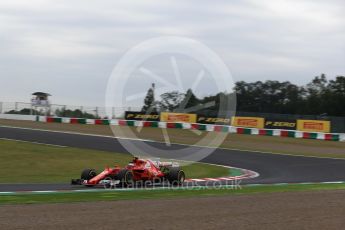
pixel 25 112
pixel 77 113
pixel 319 97
pixel 149 101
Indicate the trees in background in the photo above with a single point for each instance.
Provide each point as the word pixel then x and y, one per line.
pixel 326 96
pixel 77 113
pixel 336 96
pixel 269 97
pixel 171 101
pixel 24 112
pixel 319 97
pixel 149 101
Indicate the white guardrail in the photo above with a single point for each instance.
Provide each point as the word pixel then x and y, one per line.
pixel 18 117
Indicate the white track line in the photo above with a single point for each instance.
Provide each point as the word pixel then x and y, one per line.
pixel 158 188
pixel 33 142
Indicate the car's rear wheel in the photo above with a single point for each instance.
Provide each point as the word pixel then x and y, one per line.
pixel 125 177
pixel 176 176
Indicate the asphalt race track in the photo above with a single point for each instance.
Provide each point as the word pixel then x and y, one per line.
pixel 273 168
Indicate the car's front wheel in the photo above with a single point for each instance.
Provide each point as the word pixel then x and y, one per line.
pixel 88 174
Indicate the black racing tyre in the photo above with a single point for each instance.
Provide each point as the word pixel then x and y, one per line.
pixel 125 177
pixel 176 176
pixel 88 174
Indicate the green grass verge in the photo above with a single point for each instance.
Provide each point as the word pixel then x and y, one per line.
pixel 158 194
pixel 33 163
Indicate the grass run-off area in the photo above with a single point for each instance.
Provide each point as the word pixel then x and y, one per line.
pixel 112 195
pixel 35 163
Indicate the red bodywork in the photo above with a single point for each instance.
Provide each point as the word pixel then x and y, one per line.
pixel 108 172
pixel 142 170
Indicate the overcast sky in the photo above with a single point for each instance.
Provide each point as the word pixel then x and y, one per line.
pixel 69 48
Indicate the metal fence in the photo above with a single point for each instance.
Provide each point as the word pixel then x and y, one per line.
pixel 338 123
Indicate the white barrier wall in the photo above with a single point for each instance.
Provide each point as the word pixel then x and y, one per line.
pixel 18 117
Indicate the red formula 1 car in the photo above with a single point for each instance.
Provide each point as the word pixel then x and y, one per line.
pixel 138 170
